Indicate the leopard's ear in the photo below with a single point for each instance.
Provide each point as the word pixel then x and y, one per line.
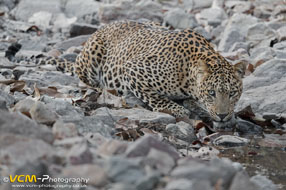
pixel 202 70
pixel 239 68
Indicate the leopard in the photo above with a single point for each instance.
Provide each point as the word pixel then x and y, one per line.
pixel 159 65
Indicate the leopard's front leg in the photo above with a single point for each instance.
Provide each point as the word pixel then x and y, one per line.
pixel 153 99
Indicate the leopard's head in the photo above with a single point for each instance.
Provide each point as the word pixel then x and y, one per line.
pixel 219 88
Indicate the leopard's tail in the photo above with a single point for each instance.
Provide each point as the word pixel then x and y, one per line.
pixel 62 64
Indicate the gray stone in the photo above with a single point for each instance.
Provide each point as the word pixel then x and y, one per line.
pixel 41 19
pixel 237 27
pixel 238 6
pixel 240 45
pixel 79 154
pixel 212 16
pixel 281 33
pixel 280 45
pixel 180 184
pixel 120 169
pixel 142 115
pixel 16 123
pixel 148 182
pixel 201 185
pixel 182 130
pixel 76 41
pixel 241 181
pixel 122 186
pixel 248 128
pixel 42 114
pixel 143 145
pixel 64 130
pixel 263 182
pixel 179 19
pixel 280 54
pixel 260 35
pixel 95 174
pixel 203 32
pixel 81 8
pixel 198 4
pixel 3 105
pixel 131 10
pixel 26 8
pixel 25 150
pixel 230 141
pixel 216 169
pixel 78 29
pixel 264 90
pixel 9 100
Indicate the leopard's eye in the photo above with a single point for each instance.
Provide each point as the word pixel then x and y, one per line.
pixel 211 92
pixel 232 93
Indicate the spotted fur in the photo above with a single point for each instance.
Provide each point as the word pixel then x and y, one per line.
pixel 158 66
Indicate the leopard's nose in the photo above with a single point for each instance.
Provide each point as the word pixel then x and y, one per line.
pixel 222 116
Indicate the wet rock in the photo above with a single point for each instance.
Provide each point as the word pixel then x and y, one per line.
pixel 230 141
pixel 42 114
pixel 179 19
pixel 263 182
pixel 26 8
pixel 95 173
pixel 144 144
pixel 124 170
pixel 268 80
pixel 78 29
pixel 7 98
pixel 182 130
pixel 131 10
pixel 76 41
pixel 18 124
pixel 142 115
pixel 241 181
pixel 64 130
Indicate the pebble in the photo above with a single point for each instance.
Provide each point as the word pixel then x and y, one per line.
pixel 230 141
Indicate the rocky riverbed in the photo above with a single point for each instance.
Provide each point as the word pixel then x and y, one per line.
pixel 54 127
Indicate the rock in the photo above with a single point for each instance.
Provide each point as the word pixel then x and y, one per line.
pixel 213 171
pixel 202 184
pixel 61 22
pixel 64 130
pixel 180 184
pixel 26 8
pixel 78 29
pixel 41 19
pixel 121 186
pixel 238 6
pixel 3 105
pixel 261 55
pixel 76 41
pixel 268 80
pixel 248 128
pixel 81 8
pixel 94 174
pixel 212 16
pixel 182 130
pixel 148 182
pixel 42 114
pixel 143 145
pixel 260 35
pixel 236 30
pixel 263 182
pixel 66 111
pixel 240 45
pixel 281 32
pixel 230 141
pixel 203 32
pixel 280 45
pixel 24 151
pixel 9 100
pixel 154 160
pixel 24 106
pixel 80 154
pixel 112 147
pixel 241 181
pixel 197 4
pixel 18 124
pixel 131 10
pixel 34 44
pixel 124 170
pixel 179 19
pixel 142 115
